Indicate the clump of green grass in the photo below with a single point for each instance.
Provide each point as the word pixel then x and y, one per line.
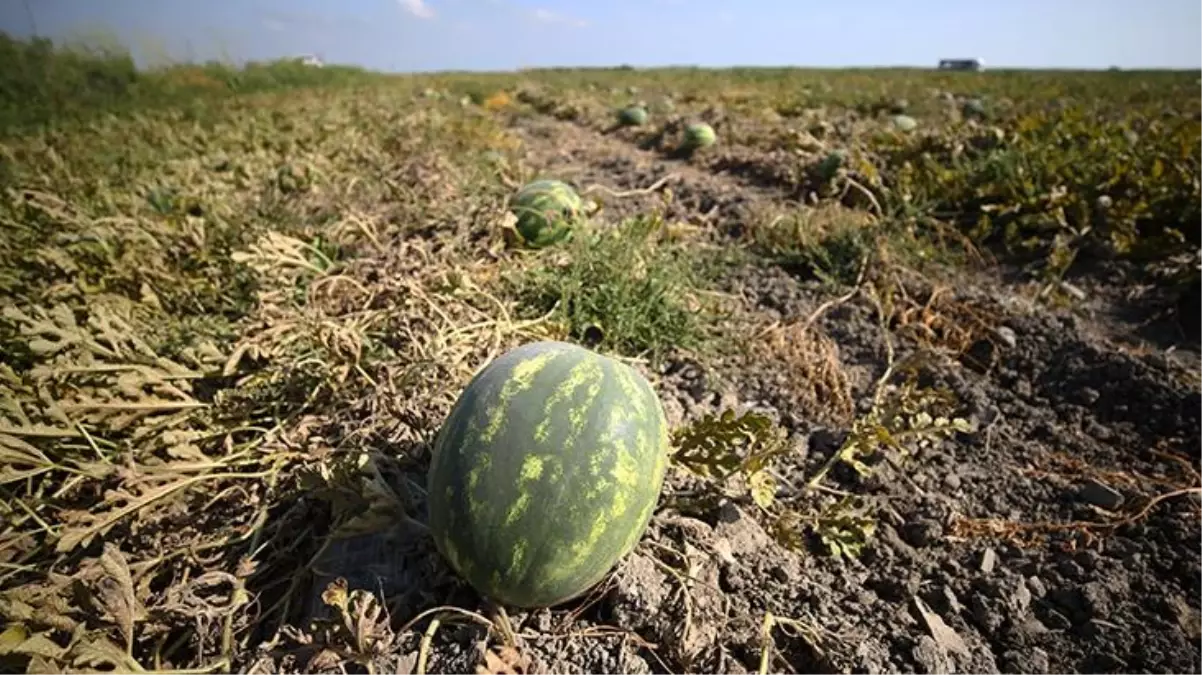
pixel 619 290
pixel 829 243
pixel 833 244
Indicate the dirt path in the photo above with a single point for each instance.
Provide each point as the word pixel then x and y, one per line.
pixel 1061 535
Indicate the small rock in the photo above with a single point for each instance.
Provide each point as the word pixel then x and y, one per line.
pixel 1069 569
pixel 1020 600
pixel 951 601
pixel 952 481
pixel 1006 336
pixel 1186 617
pixel 1030 627
pixel 988 561
pixel 1035 585
pixel 1039 660
pixel 724 551
pixel 931 657
pixel 943 634
pixel 1100 495
pixel 986 613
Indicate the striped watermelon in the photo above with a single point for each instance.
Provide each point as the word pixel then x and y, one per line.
pixel 633 116
pixel 698 135
pixel 546 473
pixel 546 209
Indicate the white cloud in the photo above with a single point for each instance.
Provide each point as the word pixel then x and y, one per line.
pixel 547 16
pixel 417 8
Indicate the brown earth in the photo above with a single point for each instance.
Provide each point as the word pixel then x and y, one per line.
pixel 1060 535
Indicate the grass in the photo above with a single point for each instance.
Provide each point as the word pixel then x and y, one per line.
pixel 237 303
pixel 69 84
pixel 619 290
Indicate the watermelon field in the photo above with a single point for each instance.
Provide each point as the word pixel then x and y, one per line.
pixel 926 346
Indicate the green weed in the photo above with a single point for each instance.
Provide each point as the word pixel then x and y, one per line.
pixel 620 290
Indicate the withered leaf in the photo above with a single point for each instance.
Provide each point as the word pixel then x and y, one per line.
pixel 14 640
pixel 323 661
pixel 116 592
pixel 121 505
pixel 505 660
pixel 763 489
pixel 98 650
pixel 335 594
pixel 12 636
pixel 45 666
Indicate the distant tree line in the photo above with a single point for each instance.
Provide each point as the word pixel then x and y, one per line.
pixel 45 83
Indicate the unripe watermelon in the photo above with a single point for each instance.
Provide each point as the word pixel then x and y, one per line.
pixel 632 116
pixel 546 472
pixel 974 108
pixel 699 135
pixel 546 210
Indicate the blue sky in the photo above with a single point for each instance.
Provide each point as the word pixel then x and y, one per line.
pixel 416 35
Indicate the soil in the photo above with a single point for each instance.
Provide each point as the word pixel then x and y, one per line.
pixel 1079 421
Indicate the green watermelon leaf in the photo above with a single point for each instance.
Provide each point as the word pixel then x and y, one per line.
pixel 717 446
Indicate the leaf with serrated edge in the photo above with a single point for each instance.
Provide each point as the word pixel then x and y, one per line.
pixel 116 592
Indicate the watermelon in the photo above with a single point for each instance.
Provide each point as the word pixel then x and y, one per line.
pixel 699 135
pixel 632 116
pixel 546 472
pixel 546 210
pixel 974 108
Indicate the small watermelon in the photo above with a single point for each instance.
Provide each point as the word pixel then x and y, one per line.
pixel 546 473
pixel 974 108
pixel 699 135
pixel 632 116
pixel 546 210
